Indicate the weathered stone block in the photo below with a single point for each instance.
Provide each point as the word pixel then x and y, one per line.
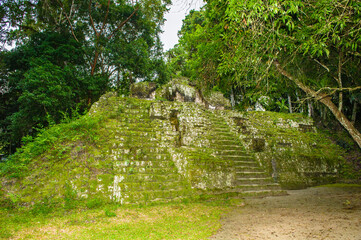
pixel 143 90
pixel 216 100
pixel 258 144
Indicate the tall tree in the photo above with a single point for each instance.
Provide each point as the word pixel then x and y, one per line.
pixel 44 79
pixel 296 38
pixel 247 45
pixel 97 24
pixel 69 52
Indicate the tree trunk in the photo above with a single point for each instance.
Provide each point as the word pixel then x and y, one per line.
pixel 354 112
pixel 299 102
pixel 326 100
pixel 310 108
pixel 232 98
pixel 94 64
pixel 289 103
pixel 324 113
pixel 339 80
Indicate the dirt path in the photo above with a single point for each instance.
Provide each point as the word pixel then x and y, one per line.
pixel 314 213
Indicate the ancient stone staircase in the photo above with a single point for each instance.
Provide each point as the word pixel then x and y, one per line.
pixel 142 152
pixel 250 178
pixel 147 167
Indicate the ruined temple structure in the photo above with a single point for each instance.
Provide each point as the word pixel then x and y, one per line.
pixel 180 90
pixel 171 144
pixel 178 144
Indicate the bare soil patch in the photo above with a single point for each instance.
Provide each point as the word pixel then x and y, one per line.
pixel 313 213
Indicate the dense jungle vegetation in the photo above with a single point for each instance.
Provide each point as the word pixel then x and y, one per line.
pixel 288 56
pixel 57 57
pixel 294 56
pixel 67 54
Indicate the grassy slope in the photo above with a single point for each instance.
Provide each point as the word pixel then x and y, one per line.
pixel 167 221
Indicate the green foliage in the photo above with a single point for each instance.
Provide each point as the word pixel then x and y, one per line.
pixel 68 54
pixel 109 213
pixel 282 105
pixel 45 207
pixel 9 201
pixel 84 128
pixel 45 84
pixel 94 203
pixel 70 197
pixel 349 173
pixel 181 221
pixel 237 44
pixel 311 38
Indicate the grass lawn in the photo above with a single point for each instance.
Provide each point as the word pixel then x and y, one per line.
pixel 167 221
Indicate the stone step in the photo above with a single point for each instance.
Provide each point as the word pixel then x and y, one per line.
pixel 152 132
pixel 225 142
pixel 212 116
pixel 239 152
pixel 220 124
pixel 145 170
pixel 135 134
pixel 126 119
pixel 136 143
pixel 142 159
pixel 147 150
pixel 226 147
pixel 135 129
pixel 209 162
pixel 134 114
pixel 142 155
pixel 235 158
pixel 135 125
pixel 242 169
pixel 154 177
pixel 221 137
pixel 135 110
pixel 223 133
pixel 240 164
pixel 251 174
pixel 220 129
pixel 153 186
pixel 136 139
pixel 131 116
pixel 241 193
pixel 241 181
pixel 215 166
pixel 144 164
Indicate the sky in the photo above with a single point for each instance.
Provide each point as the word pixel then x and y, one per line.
pixel 177 12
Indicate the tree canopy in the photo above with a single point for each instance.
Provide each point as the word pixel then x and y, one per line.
pixel 67 53
pixel 287 50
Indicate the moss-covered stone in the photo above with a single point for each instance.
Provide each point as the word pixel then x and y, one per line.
pixel 216 100
pixel 288 146
pixel 180 90
pixel 177 90
pixel 136 151
pixel 143 90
